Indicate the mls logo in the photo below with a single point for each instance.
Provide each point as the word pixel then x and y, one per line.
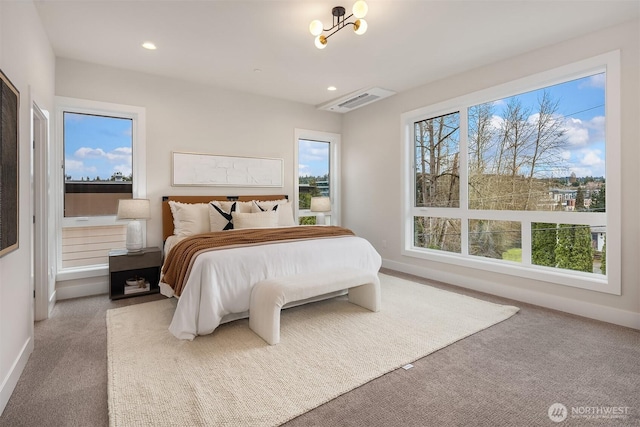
pixel 557 412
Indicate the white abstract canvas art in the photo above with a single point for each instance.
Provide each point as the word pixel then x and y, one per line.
pixel 190 169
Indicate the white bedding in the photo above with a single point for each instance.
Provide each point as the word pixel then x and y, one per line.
pixel 220 281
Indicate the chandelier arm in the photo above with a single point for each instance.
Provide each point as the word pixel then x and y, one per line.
pixel 341 23
pixel 347 23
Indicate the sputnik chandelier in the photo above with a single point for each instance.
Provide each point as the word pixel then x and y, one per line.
pixel 359 11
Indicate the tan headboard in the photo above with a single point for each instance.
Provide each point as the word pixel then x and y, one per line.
pixel 167 218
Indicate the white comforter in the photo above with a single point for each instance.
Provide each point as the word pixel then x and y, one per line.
pixel 220 281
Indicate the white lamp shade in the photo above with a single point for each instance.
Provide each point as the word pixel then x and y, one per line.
pixel 320 204
pixel 133 209
pixel 362 27
pixel 360 9
pixel 320 42
pixel 316 27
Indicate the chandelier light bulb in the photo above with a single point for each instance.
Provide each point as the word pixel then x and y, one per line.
pixel 321 42
pixel 360 27
pixel 360 9
pixel 315 27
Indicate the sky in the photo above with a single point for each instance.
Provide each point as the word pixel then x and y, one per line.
pixel 313 158
pixel 581 111
pixel 96 146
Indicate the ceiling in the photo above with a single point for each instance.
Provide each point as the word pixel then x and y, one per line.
pixel 264 46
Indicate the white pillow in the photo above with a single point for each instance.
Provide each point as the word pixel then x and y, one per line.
pixel 219 215
pixel 189 218
pixel 244 207
pixel 285 210
pixel 255 220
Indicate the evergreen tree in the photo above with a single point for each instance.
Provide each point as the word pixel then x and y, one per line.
pixel 582 254
pixel 543 244
pixel 574 250
pixel 598 200
pixel 564 246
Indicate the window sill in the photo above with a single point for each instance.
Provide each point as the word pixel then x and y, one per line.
pixel 575 279
pixel 82 273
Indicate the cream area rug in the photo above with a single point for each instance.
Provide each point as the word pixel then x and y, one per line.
pixel 233 378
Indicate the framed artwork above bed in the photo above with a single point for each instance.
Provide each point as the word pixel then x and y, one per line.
pixel 192 169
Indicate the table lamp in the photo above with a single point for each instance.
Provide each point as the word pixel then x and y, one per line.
pixel 133 209
pixel 320 205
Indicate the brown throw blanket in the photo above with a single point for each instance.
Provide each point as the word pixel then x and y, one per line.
pixel 179 260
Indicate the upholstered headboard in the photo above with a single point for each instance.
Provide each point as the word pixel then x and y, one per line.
pixel 167 217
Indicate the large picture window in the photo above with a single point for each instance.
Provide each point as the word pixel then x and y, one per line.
pixel 522 178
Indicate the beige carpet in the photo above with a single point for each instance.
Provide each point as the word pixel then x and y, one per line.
pixel 233 378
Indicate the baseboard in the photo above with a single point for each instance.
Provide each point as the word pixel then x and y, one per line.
pixel 11 380
pixel 82 289
pixel 581 308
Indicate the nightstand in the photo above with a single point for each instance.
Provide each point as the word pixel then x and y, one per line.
pixel 135 273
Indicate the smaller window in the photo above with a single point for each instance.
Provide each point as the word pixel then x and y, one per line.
pixel 101 147
pixel 317 166
pixel 577 247
pixel 437 160
pixel 437 233
pixel 97 163
pixel 495 239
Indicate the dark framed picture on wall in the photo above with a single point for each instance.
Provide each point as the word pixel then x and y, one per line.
pixel 9 116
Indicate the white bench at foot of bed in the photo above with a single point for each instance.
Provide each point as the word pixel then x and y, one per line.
pixel 268 296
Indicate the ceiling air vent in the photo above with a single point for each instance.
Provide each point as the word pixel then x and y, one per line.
pixel 356 100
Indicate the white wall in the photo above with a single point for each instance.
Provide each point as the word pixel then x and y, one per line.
pixel 372 177
pixel 27 59
pixel 194 118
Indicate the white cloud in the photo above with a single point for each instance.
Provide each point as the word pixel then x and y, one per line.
pixel 120 154
pixel 303 170
pixel 86 152
pixel 591 158
pixel 117 154
pixel 77 168
pixel 576 132
pixel 589 162
pixel 496 122
pixel 597 80
pixel 121 151
pixel 124 169
pixel 565 155
pixel 580 133
pixel 73 165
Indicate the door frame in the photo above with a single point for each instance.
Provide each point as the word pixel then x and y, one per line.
pixel 40 272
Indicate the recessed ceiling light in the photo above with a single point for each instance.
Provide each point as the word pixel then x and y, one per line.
pixel 149 45
pixel 331 88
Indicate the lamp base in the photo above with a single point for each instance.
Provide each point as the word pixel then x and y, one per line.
pixel 134 236
pixel 320 219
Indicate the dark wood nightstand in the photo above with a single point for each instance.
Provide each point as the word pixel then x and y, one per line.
pixel 140 268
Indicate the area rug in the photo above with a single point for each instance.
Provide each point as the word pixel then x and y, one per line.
pixel 233 378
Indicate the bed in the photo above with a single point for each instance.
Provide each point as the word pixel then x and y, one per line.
pixel 249 239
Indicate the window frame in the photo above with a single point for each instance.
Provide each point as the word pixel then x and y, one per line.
pixel 609 283
pixel 334 167
pixel 138 169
